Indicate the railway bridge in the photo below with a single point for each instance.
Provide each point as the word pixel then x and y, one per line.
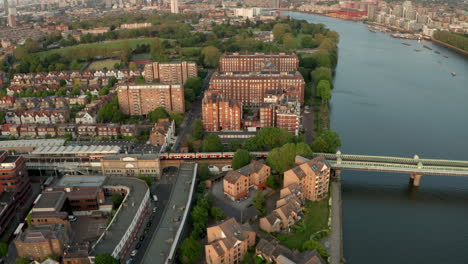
pixel 221 161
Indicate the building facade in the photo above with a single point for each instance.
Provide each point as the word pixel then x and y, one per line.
pixel 15 187
pixel 247 62
pixel 131 165
pixel 252 87
pixel 314 177
pixel 170 72
pixel 140 99
pixel 228 242
pixel 219 113
pixel 236 183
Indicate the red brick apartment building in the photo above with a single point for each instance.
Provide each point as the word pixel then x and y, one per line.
pixel 171 72
pixel 219 113
pixel 15 187
pixel 140 99
pixel 252 87
pixel 259 62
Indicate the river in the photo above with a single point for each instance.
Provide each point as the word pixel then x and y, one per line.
pixel 390 100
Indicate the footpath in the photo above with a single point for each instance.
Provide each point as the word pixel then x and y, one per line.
pixel 336 237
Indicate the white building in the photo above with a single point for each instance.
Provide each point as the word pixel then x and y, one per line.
pixel 174 6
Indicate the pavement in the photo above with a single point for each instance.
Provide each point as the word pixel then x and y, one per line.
pixel 163 238
pixel 336 236
pixel 241 210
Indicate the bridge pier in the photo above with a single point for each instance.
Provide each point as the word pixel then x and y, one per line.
pixel 415 179
pixel 336 175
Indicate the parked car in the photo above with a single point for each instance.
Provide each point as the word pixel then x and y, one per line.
pixel 72 218
pixel 154 209
pixel 134 252
pixel 148 224
pixel 138 246
pixel 142 237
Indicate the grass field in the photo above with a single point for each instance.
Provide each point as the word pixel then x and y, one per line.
pixel 116 44
pixel 315 219
pixel 99 65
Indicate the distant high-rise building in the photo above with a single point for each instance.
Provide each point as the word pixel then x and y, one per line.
pixel 5 5
pixel 372 12
pixel 12 22
pixel 108 4
pixel 174 6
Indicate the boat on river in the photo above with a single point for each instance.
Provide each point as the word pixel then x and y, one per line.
pixel 454 74
pixel 446 56
pixel 427 47
pixel 407 44
pixel 438 52
pixel 417 50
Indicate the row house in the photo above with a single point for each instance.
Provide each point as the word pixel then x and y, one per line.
pixel 283 217
pixel 7 102
pixel 273 252
pixel 163 133
pixel 37 117
pixel 93 89
pixel 83 117
pixel 61 130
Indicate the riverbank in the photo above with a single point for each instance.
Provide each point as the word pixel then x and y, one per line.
pixel 336 236
pixel 326 15
pixel 463 52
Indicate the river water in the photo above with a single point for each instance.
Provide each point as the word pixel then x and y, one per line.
pixel 390 100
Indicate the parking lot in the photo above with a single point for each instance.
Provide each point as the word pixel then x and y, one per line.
pixel 241 210
pixel 88 228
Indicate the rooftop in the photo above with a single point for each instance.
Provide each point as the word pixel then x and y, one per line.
pixel 50 201
pixel 61 150
pixel 115 232
pixel 81 181
pixel 31 143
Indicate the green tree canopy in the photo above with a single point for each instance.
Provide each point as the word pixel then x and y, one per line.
pixel 23 260
pixel 195 84
pixel 327 142
pixel 259 202
pixel 315 245
pixel 117 199
pixel 105 258
pixel 324 91
pixel 3 249
pixel 204 172
pixel 189 250
pixel 280 29
pixel 197 129
pixel 157 114
pixel 234 145
pixel 217 213
pixel 282 159
pixel 268 138
pixel 289 41
pixel 322 73
pixel 241 158
pixel 2 117
pixel 211 56
pixel 212 143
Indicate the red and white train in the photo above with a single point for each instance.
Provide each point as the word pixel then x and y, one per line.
pixel 205 155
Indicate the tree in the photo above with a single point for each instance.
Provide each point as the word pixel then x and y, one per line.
pixel 280 29
pixel 105 258
pixel 177 117
pixel 268 138
pixel 117 199
pixel 75 91
pixel 157 114
pixel 282 159
pixel 321 73
pixel 62 82
pixel 197 129
pixel 74 65
pixel 3 249
pixel 104 91
pixel 147 179
pixel 241 158
pixel 289 41
pixel 205 172
pixel 157 50
pixel 140 79
pixel 272 182
pixel 308 42
pixel 211 56
pixel 315 245
pixel 259 202
pixel 61 92
pixel 327 142
pixel 125 53
pixel 324 91
pixel 234 145
pixel 24 260
pixel 2 117
pixel 189 250
pixel 132 65
pixel 195 84
pixel 217 213
pixel 212 143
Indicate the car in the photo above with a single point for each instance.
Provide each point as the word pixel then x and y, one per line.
pixel 134 252
pixel 142 237
pixel 129 261
pixel 146 230
pixel 72 218
pixel 154 209
pixel 138 245
pixel 148 224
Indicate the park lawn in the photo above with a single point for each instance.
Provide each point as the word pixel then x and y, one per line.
pixel 114 44
pixel 315 218
pixel 101 64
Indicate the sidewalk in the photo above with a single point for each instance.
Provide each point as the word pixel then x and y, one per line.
pixel 336 237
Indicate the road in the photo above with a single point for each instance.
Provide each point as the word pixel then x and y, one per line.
pixel 336 236
pixel 163 190
pixel 308 121
pixel 195 113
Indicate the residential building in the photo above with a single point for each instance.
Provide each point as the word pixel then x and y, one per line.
pixel 15 187
pixel 163 133
pixel 135 25
pixel 170 72
pixel 174 6
pixel 283 217
pixel 248 62
pixel 219 113
pixel 252 87
pixel 314 177
pixel 274 252
pixel 228 242
pixel 140 99
pixel 83 117
pixel 51 208
pixel 288 115
pixel 235 185
pixel 76 254
pixel 37 242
